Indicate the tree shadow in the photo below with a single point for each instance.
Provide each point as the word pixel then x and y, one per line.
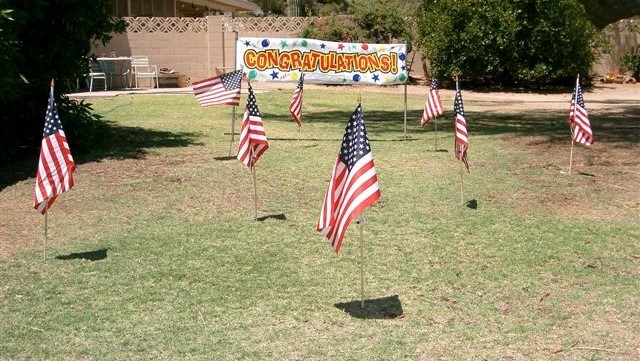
pixel 378 308
pixel 121 142
pixel 616 126
pixel 89 256
pixel 620 125
pixel 105 140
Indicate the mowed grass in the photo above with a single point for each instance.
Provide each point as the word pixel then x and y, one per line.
pixel 155 254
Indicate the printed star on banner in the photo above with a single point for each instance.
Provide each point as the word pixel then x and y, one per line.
pixel 294 76
pixel 341 46
pixel 283 44
pixel 274 75
pixel 382 48
pixel 376 78
pixel 323 45
pixel 247 43
pixel 403 68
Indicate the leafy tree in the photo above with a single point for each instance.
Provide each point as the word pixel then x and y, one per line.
pixel 631 62
pixel 44 40
pixel 9 69
pixel 378 21
pixel 529 42
pixel 272 7
pixel 304 7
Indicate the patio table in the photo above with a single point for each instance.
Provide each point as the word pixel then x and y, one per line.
pixel 120 67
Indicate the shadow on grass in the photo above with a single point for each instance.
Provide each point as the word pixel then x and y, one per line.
pixel 619 125
pixel 278 217
pixel 378 308
pixel 225 158
pixel 473 204
pixel 105 140
pixel 89 256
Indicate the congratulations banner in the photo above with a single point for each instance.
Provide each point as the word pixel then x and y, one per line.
pixel 322 61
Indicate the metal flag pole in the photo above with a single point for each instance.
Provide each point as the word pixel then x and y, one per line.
pixel 435 123
pixel 233 111
pixel 405 111
pixel 46 217
pixel 461 183
pixel 575 99
pixel 233 123
pixel 361 223
pixel 571 155
pixel 461 170
pixel 46 211
pixel 255 187
pixel 255 193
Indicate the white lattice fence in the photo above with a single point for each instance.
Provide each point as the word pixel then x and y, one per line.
pixel 166 25
pixel 290 25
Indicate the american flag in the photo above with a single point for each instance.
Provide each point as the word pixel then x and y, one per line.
pixel 461 140
pixel 353 185
pixel 433 106
pixel 56 166
pixel 295 108
pixel 253 139
pixel 219 90
pixel 579 118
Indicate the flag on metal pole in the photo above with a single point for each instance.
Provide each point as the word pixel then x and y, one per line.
pixel 353 185
pixel 433 106
pixel 460 129
pixel 579 118
pixel 55 166
pixel 219 90
pixel 253 139
pixel 295 107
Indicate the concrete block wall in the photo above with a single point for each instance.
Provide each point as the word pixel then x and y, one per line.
pixel 623 36
pixel 198 47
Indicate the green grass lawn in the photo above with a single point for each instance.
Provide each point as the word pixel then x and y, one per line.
pixel 155 255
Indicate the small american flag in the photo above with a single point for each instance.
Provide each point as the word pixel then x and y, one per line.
pixel 433 107
pixel 579 118
pixel 295 108
pixel 56 166
pixel 253 139
pixel 219 90
pixel 353 185
pixel 461 139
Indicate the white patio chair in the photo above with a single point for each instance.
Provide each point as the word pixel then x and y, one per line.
pixel 141 69
pixel 95 72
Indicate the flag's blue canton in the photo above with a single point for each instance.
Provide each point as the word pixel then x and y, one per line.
pixel 434 84
pixel 300 81
pixel 252 104
pixel 457 104
pixel 51 120
pixel 355 143
pixel 580 98
pixel 231 80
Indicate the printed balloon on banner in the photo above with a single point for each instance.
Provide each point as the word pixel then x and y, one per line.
pixel 281 59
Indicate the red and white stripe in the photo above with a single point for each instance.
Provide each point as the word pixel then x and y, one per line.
pixel 295 107
pixel 211 91
pixel 253 140
pixel 461 140
pixel 579 119
pixel 433 106
pixel 349 193
pixel 55 171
